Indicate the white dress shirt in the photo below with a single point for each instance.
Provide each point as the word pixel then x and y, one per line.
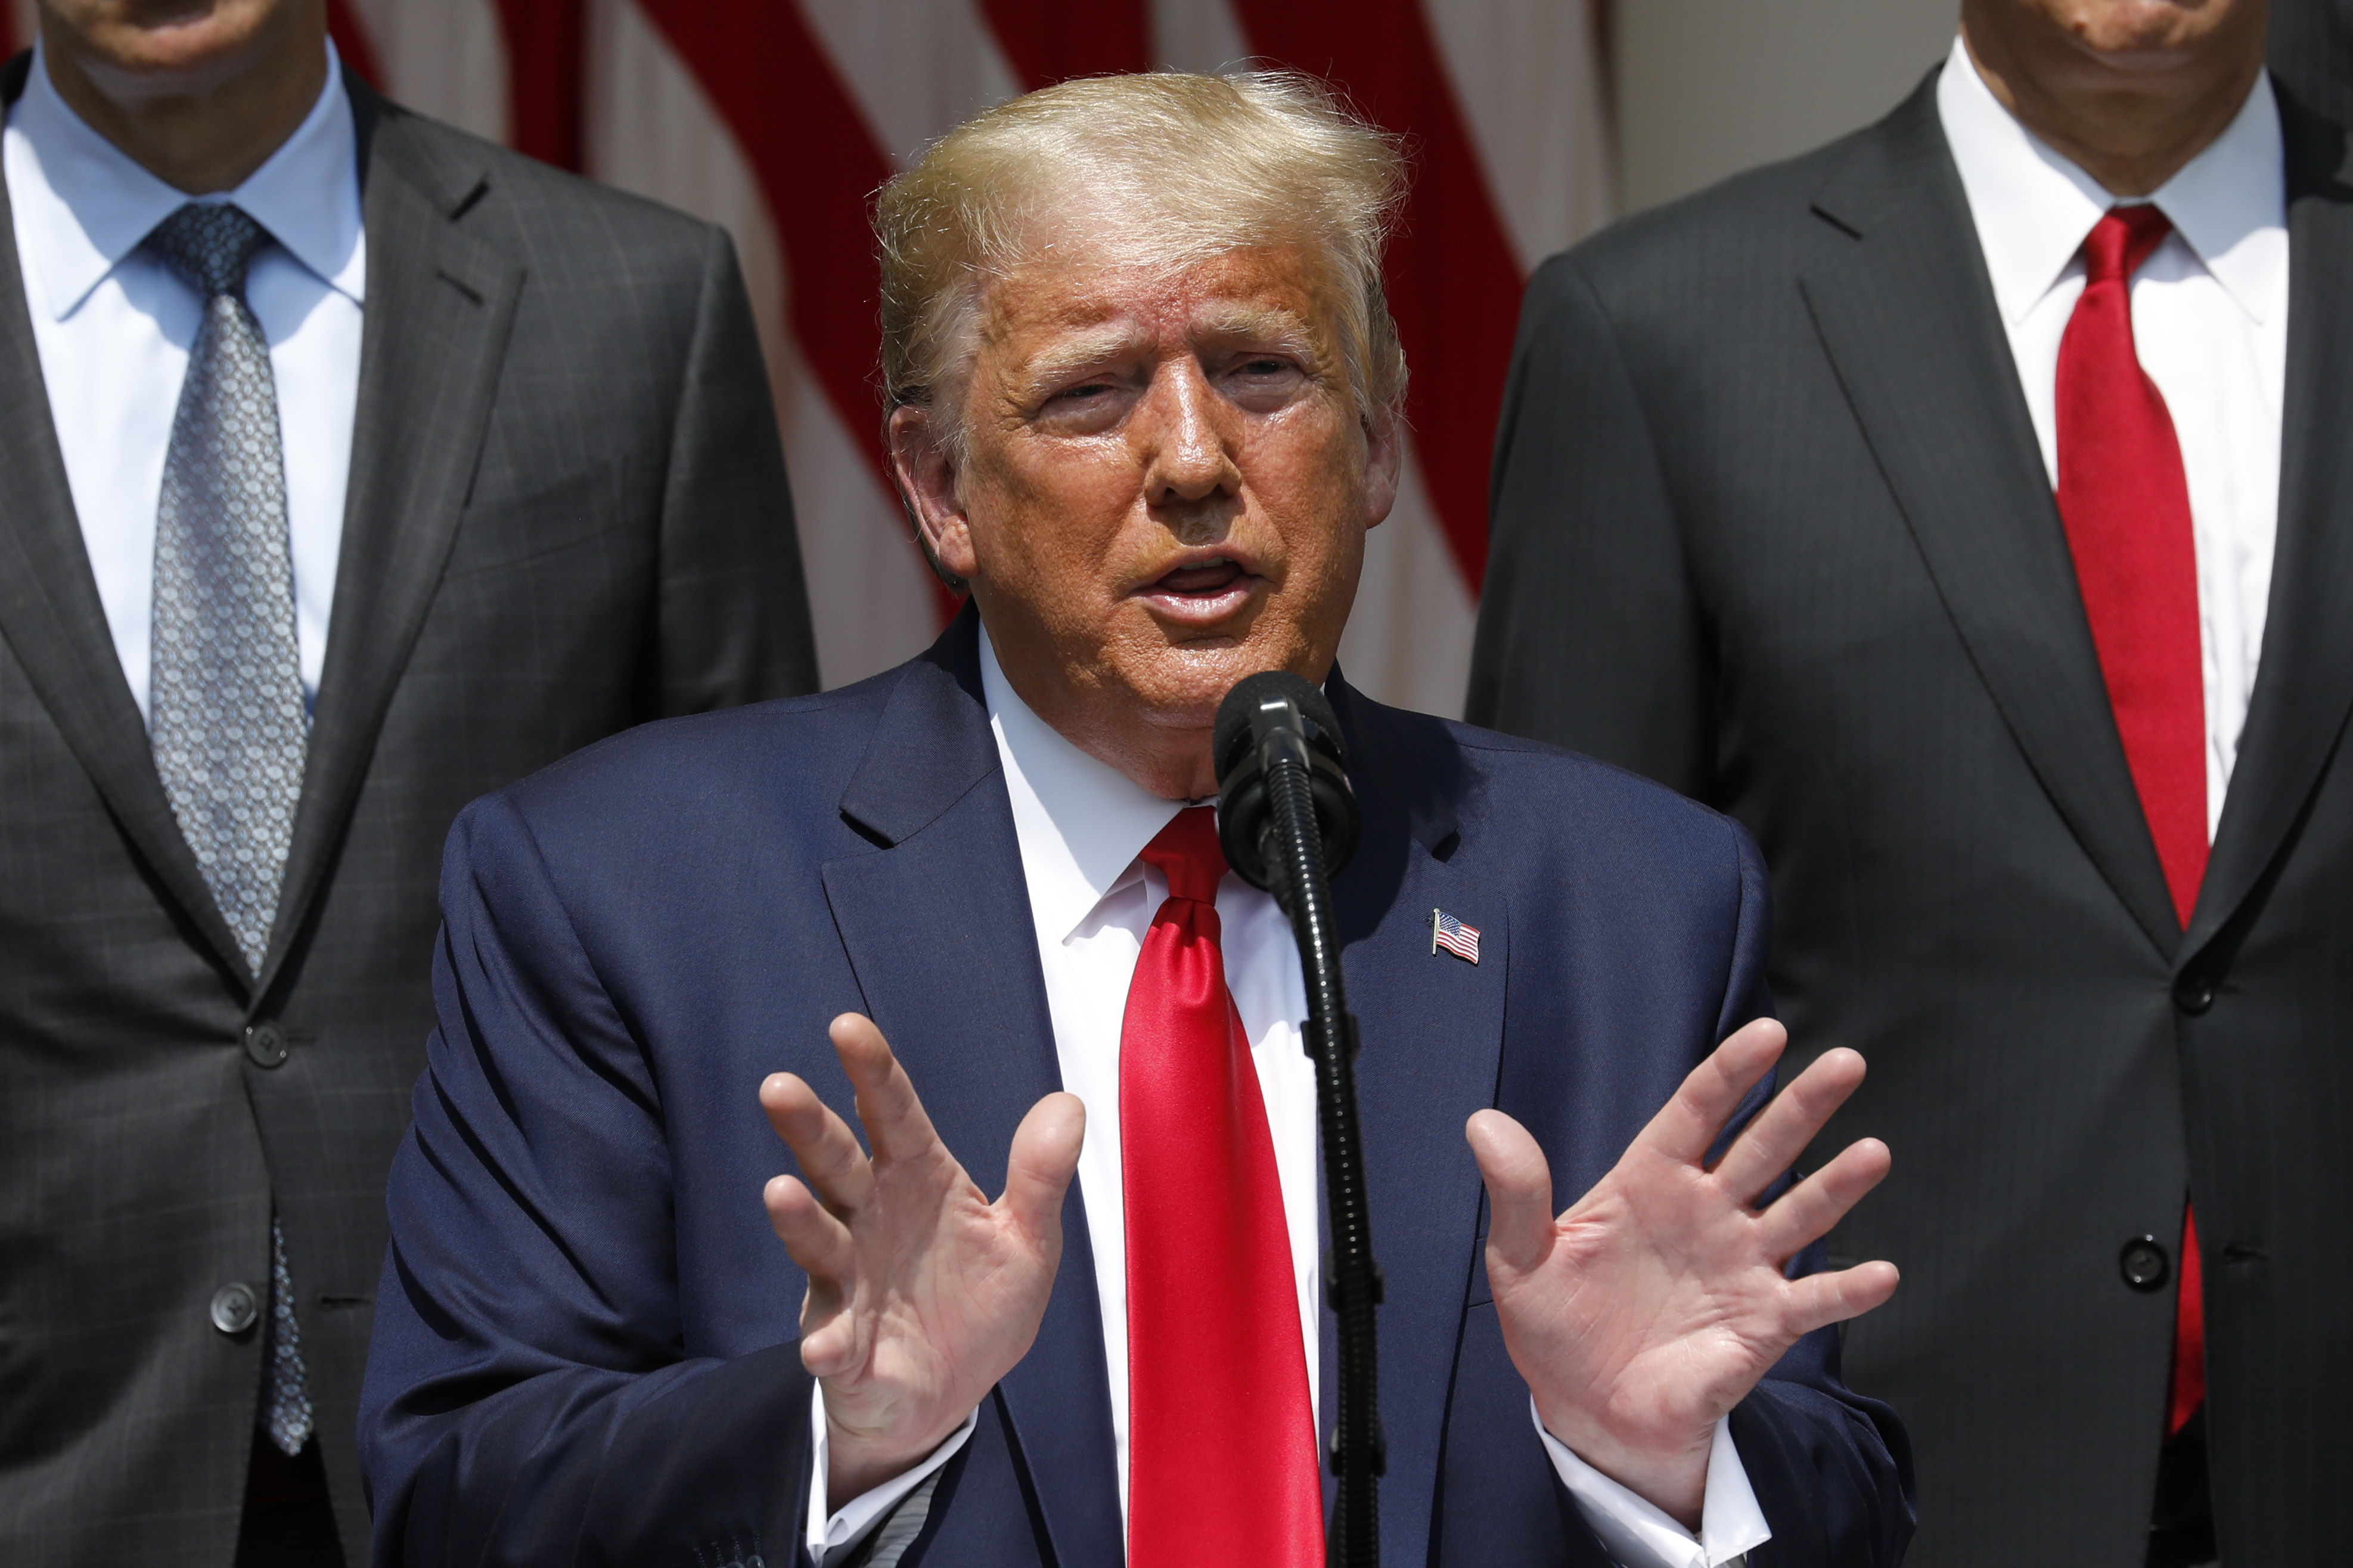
pixel 2209 318
pixel 1082 825
pixel 114 324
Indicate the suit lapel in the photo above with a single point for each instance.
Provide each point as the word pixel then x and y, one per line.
pixel 440 305
pixel 1905 312
pixel 1432 1035
pixel 938 929
pixel 2304 683
pixel 53 620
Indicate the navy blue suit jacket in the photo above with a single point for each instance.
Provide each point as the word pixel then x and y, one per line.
pixel 584 1347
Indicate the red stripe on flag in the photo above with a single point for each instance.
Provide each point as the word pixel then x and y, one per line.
pixel 1454 283
pixel 818 166
pixel 1052 40
pixel 546 58
pixel 351 42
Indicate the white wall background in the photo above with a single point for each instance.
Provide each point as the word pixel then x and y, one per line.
pixel 1707 87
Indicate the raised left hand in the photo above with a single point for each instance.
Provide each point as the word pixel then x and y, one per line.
pixel 1648 1311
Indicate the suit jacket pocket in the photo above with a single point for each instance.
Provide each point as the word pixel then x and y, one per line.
pixel 509 531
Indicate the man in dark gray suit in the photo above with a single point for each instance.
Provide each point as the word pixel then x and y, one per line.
pixel 350 468
pixel 1980 534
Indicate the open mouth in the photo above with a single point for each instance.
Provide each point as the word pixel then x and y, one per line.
pixel 1203 590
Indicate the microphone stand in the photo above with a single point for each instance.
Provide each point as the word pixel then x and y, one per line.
pixel 1293 848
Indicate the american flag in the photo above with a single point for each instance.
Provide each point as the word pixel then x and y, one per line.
pixel 779 119
pixel 1451 934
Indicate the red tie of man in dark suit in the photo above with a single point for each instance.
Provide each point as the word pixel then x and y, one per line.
pixel 1221 1442
pixel 2124 502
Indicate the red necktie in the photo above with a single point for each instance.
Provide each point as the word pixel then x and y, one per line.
pixel 1220 1439
pixel 2124 502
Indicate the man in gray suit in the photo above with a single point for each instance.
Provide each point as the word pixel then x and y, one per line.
pixel 1967 508
pixel 350 468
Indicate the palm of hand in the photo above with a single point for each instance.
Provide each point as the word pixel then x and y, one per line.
pixel 940 1283
pixel 1642 1315
pixel 921 1292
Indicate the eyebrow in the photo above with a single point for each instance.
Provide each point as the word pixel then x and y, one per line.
pixel 1077 353
pixel 1280 329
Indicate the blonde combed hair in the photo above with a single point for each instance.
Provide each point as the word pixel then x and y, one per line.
pixel 1181 167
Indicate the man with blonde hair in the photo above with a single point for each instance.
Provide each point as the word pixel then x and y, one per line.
pixel 1143 407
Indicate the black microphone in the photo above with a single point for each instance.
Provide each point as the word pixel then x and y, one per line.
pixel 1288 820
pixel 1271 718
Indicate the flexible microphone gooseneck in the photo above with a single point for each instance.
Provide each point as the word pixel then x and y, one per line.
pixel 1288 821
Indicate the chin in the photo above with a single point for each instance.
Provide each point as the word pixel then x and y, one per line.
pixel 1185 684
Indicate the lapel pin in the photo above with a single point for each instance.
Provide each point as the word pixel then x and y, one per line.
pixel 1451 934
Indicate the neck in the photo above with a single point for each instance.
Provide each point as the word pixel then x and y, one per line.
pixel 1169 757
pixel 1171 760
pixel 2131 122
pixel 201 130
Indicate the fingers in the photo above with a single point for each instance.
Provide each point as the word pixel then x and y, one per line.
pixel 1806 1213
pixel 1519 1190
pixel 1044 1157
pixel 821 1141
pixel 1822 1299
pixel 1689 1124
pixel 1771 1143
pixel 895 1121
pixel 816 1240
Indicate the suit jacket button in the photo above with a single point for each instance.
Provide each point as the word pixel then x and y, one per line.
pixel 2193 993
pixel 266 1044
pixel 235 1310
pixel 2145 1264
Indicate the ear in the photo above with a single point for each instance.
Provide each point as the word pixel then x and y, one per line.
pixel 923 463
pixel 1384 457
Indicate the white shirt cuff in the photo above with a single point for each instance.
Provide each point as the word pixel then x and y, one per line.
pixel 1639 1535
pixel 835 1535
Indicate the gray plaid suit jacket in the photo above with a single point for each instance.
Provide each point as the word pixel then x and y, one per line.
pixel 567 515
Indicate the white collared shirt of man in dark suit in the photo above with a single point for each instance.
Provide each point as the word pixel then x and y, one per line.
pixel 2209 320
pixel 114 323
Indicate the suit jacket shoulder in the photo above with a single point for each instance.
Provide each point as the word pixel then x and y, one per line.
pixel 1703 259
pixel 499 193
pixel 1523 810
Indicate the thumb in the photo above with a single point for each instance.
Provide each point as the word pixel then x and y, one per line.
pixel 1519 1190
pixel 1037 1172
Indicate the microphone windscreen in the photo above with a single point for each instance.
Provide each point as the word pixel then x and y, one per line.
pixel 1230 741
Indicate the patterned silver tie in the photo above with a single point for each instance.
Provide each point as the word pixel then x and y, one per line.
pixel 285 1391
pixel 225 715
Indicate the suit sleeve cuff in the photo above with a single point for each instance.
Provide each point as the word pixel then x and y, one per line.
pixel 1639 1535
pixel 832 1537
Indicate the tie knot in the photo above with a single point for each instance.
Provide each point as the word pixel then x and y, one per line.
pixel 1187 853
pixel 209 244
pixel 2122 240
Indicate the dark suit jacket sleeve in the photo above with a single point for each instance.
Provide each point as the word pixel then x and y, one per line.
pixel 528 1399
pixel 1832 1469
pixel 734 608
pixel 1588 634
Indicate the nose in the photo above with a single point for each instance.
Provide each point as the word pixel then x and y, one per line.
pixel 1189 438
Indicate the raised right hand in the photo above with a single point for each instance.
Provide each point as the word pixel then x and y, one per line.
pixel 921 1292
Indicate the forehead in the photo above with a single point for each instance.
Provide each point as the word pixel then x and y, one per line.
pixel 1089 292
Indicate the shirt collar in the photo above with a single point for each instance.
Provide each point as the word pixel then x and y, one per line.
pixel 1081 822
pixel 2033 207
pixel 92 204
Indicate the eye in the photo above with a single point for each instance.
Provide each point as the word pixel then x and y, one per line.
pixel 1082 393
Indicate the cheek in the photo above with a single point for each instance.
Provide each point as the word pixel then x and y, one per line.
pixel 1052 523
pixel 1314 497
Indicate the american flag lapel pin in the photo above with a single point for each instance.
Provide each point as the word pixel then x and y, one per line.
pixel 1446 932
